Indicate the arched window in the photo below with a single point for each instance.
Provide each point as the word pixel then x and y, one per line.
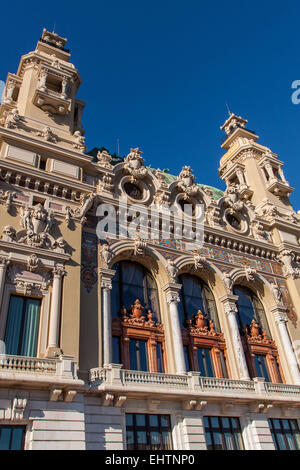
pixel 138 337
pixel 196 295
pixel 260 350
pixel 249 308
pixel 204 344
pixel 133 281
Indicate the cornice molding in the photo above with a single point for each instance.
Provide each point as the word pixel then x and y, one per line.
pixel 45 146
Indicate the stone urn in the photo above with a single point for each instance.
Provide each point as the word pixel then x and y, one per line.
pixel 137 309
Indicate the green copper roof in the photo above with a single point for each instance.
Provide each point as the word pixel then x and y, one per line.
pixel 217 193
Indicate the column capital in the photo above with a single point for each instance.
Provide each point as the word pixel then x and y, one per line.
pixel 172 290
pixel 106 277
pixel 4 261
pixel 280 314
pixel 229 299
pixel 229 302
pixel 171 287
pixel 230 309
pixel 59 271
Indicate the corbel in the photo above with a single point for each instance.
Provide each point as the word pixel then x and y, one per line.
pixel 69 395
pixel 55 393
pixel 119 401
pixel 200 405
pixel 189 404
pixel 108 399
pixel 18 408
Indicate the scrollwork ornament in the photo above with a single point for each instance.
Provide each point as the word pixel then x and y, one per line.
pixel 134 164
pixel 172 269
pixel 106 255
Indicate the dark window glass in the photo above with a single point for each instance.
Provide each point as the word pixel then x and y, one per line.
pixel 233 221
pixel 12 437
pixel 249 308
pixel 222 433
pixel 148 432
pixel 116 350
pixel 133 190
pixel 138 355
pixel 159 356
pixel 186 358
pixel 261 367
pixel 285 434
pixel 223 364
pixel 22 326
pixel 132 281
pixel 195 295
pixel 42 165
pixel 205 362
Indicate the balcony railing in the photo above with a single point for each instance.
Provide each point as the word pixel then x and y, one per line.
pixel 153 378
pixel 29 368
pixel 218 384
pixel 27 364
pixel 191 383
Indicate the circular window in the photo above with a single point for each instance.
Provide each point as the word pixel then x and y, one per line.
pixel 234 221
pixel 133 191
pixel 190 206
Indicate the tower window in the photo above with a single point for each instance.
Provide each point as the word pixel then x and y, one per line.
pixel 42 164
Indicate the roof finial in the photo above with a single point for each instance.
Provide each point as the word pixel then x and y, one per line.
pixel 54 27
pixel 228 110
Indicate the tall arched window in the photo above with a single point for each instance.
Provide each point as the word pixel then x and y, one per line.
pixel 138 337
pixel 249 308
pixel 260 350
pixel 204 344
pixel 196 295
pixel 133 281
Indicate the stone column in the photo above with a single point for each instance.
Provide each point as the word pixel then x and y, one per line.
pixel 280 171
pixel 64 85
pixel 230 308
pixel 240 176
pixel 3 267
pixel 42 80
pixel 9 91
pixel 172 294
pixel 106 287
pixel 281 320
pixel 53 349
pixel 270 172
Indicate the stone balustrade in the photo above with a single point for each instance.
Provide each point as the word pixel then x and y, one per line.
pixel 21 367
pixel 191 383
pixel 27 364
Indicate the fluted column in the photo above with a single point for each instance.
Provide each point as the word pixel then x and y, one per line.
pixel 3 267
pixel 230 308
pixel 106 287
pixel 172 294
pixel 281 321
pixel 54 326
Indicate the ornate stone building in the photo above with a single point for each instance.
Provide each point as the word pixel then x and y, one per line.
pixel 139 343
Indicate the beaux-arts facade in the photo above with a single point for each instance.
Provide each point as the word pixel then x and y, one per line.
pixel 137 343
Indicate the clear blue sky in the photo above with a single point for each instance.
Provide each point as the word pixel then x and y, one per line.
pixel 157 74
